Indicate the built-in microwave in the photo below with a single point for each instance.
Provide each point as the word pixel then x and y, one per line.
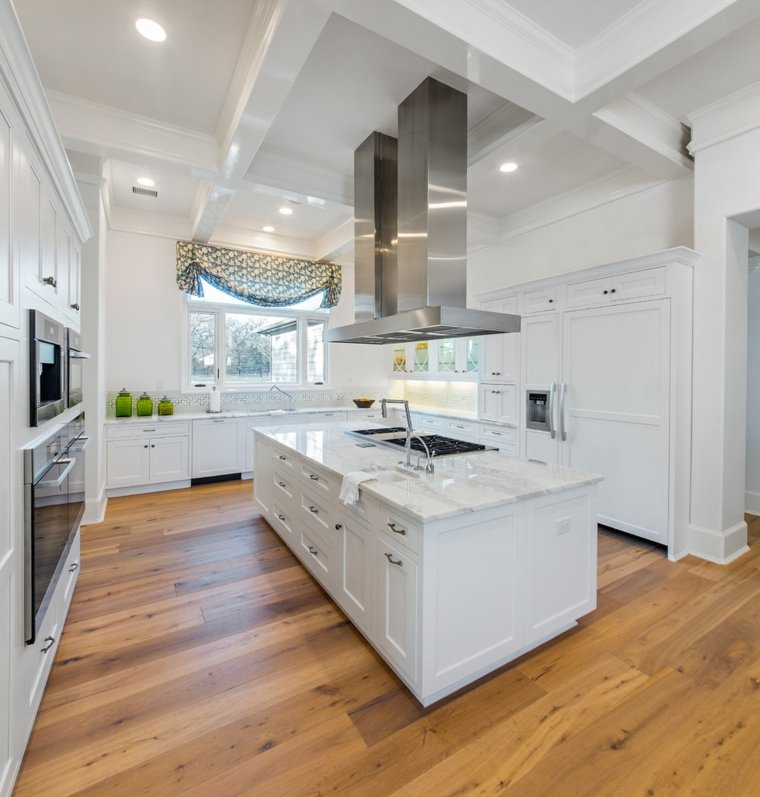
pixel 47 368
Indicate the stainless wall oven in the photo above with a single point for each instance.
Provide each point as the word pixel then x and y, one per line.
pixel 53 508
pixel 47 369
pixel 74 358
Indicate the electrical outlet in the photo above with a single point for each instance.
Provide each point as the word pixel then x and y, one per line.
pixel 563 525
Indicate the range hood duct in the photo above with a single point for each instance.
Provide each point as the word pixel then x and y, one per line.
pixel 412 286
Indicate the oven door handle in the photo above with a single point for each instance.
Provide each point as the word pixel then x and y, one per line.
pixel 80 444
pixel 59 481
pixel 78 355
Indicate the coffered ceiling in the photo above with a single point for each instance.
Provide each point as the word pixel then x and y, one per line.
pixel 253 105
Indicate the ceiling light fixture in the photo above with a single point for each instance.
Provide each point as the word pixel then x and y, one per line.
pixel 150 29
pixel 510 166
pixel 146 181
pixel 286 211
pixel 268 228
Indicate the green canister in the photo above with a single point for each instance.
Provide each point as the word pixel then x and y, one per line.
pixel 124 404
pixel 145 405
pixel 166 406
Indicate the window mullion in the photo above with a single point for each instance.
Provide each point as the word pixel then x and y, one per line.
pixel 220 378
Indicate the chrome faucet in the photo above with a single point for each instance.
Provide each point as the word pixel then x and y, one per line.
pixel 408 446
pixel 289 396
pixel 429 467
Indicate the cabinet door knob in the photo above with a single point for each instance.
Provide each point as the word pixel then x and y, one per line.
pixel 145 446
pixel 338 526
pixel 605 292
pixel 396 529
pixel 313 550
pixel 613 290
pixel 393 561
pixel 551 301
pixel 50 642
pixel 152 445
pixel 50 281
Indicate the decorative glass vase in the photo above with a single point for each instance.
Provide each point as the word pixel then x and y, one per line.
pixel 145 405
pixel 166 406
pixel 124 404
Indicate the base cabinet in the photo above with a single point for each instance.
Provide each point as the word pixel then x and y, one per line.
pixel 443 602
pixel 153 454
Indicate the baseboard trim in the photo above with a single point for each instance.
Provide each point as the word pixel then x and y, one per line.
pixel 721 547
pixel 95 510
pixel 137 489
pixel 752 503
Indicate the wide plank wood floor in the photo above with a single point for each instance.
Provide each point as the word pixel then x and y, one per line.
pixel 200 659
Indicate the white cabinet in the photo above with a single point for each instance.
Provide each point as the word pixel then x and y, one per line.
pixel 262 485
pixel 9 294
pixel 396 634
pixel 650 282
pixel 147 455
pixel 29 203
pixel 354 577
pixel 498 403
pixel 541 300
pixel 217 447
pixel 500 357
pixel 450 358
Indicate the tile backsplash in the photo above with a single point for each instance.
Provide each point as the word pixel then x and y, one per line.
pixel 261 399
pixel 437 394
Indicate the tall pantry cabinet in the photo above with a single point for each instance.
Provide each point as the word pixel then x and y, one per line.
pixel 612 348
pixel 43 223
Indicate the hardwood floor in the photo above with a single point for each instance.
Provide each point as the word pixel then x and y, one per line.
pixel 200 659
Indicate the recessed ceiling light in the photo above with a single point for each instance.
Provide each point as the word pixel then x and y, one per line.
pixel 508 167
pixel 286 211
pixel 268 228
pixel 150 29
pixel 146 181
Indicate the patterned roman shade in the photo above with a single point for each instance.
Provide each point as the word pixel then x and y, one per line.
pixel 260 278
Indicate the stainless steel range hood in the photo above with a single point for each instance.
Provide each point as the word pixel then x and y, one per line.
pixel 411 228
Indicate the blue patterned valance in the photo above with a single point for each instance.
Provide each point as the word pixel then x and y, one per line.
pixel 260 278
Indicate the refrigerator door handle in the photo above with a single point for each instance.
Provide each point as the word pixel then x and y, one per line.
pixel 550 414
pixel 562 394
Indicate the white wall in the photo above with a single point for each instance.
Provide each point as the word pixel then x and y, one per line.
pixel 648 221
pixel 144 310
pixel 752 488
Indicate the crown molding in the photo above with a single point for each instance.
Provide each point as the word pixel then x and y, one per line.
pixel 503 33
pixel 114 133
pixel 240 238
pixel 618 184
pixel 498 129
pixel 647 124
pixel 728 117
pixel 23 82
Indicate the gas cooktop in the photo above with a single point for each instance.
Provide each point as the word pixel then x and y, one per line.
pixel 438 445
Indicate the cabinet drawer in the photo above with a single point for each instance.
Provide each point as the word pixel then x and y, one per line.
pixel 335 415
pixel 541 300
pixel 284 457
pixel 316 557
pixel 135 430
pixel 71 572
pixel 498 435
pixel 284 485
pixel 636 284
pixel 462 430
pixel 320 479
pixel 428 422
pixel 401 530
pixel 284 524
pixel 588 292
pixel 315 513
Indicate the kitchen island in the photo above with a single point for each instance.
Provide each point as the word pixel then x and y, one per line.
pixel 448 575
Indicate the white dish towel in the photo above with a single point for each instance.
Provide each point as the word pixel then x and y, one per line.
pixel 349 489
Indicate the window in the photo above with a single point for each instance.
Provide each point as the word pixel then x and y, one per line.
pixel 235 345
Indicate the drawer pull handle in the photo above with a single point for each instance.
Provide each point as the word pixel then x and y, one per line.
pixel 314 510
pixel 457 426
pixel 74 567
pixel 313 477
pixel 51 281
pixel 281 456
pixel 496 434
pixel 50 642
pixel 396 530
pixel 281 484
pixel 313 550
pixel 149 430
pixel 338 526
pixel 281 517
pixel 393 561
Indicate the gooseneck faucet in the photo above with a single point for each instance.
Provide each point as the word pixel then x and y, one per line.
pixel 285 393
pixel 384 409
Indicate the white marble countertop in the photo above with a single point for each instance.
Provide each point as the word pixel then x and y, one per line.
pixel 198 415
pixel 461 484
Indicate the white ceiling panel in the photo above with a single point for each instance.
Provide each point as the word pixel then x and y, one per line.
pixel 90 49
pixel 175 191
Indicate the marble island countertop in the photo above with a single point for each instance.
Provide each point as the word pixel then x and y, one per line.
pixel 461 484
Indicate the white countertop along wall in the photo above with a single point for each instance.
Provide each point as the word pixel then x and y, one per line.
pixel 461 484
